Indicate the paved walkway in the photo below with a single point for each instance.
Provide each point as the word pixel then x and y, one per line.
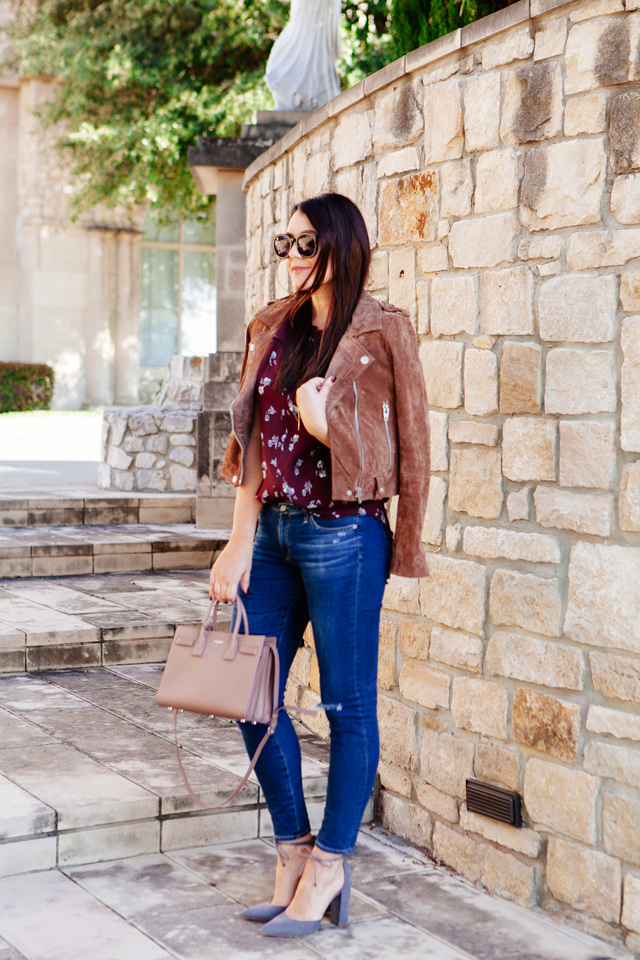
pixel 186 904
pixel 51 435
pixel 49 450
pixel 88 777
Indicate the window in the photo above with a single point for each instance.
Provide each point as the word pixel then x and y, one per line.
pixel 177 290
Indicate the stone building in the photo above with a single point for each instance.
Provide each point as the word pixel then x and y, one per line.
pixel 109 298
pixel 498 170
pixel 106 300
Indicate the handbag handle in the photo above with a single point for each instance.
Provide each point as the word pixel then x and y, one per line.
pixel 209 622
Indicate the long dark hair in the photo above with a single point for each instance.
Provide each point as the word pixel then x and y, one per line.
pixel 343 240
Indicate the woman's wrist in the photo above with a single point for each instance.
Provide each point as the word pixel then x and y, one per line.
pixel 241 540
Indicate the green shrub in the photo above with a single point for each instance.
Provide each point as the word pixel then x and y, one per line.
pixel 416 22
pixel 25 386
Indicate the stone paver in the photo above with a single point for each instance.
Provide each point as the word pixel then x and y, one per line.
pixel 185 904
pixel 47 916
pixel 125 867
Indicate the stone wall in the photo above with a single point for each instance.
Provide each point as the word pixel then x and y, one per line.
pixel 177 441
pixel 154 447
pixel 498 170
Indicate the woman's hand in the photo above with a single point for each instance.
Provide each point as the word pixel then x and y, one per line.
pixel 311 400
pixel 232 567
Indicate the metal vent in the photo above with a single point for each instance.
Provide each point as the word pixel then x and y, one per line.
pixel 494 802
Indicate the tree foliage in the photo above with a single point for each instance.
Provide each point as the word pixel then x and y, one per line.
pixel 366 41
pixel 416 22
pixel 142 80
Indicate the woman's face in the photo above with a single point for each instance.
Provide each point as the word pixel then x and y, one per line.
pixel 301 269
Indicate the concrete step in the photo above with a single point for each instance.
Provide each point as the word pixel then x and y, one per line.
pixel 59 509
pixel 88 771
pixel 58 551
pixel 54 623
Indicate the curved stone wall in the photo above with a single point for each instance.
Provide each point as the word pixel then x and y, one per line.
pixel 499 173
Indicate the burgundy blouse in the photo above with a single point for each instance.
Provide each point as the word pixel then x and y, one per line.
pixel 296 468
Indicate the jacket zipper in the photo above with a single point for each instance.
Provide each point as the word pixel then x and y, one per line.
pixel 233 428
pixel 385 417
pixel 359 483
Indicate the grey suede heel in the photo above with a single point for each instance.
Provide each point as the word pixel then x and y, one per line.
pixel 285 926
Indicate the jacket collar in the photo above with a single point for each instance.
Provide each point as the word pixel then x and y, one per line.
pixel 366 317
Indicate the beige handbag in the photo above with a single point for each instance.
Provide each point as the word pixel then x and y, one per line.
pixel 235 676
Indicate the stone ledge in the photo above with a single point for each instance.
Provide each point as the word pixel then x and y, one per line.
pixel 99 510
pixel 68 551
pixel 483 29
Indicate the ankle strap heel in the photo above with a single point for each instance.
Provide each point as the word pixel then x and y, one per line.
pixel 340 904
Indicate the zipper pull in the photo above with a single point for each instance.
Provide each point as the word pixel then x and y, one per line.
pixel 385 410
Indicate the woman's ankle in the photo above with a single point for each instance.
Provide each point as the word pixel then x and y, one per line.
pixel 288 848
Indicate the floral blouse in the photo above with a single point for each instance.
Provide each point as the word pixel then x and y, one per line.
pixel 296 468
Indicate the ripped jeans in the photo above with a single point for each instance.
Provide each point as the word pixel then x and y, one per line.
pixel 332 572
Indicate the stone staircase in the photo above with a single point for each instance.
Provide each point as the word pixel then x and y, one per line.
pixel 87 762
pixel 95 508
pixel 88 772
pixel 47 622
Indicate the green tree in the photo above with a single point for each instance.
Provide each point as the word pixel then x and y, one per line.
pixel 416 22
pixel 142 80
pixel 366 42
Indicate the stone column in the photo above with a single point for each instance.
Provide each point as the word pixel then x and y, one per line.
pixel 230 260
pixel 215 499
pixel 99 327
pixel 127 317
pixel 9 333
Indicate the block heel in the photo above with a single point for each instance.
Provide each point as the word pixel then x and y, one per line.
pixel 340 904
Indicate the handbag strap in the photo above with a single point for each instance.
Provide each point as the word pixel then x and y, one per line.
pixel 275 709
pixel 272 725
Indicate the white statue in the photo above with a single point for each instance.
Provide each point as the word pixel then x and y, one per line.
pixel 301 69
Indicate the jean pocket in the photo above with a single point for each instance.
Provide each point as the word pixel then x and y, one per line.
pixel 331 524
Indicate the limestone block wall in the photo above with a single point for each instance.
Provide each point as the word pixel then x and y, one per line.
pixel 498 170
pixel 154 447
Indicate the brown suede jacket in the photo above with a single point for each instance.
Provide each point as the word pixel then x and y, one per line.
pixel 376 413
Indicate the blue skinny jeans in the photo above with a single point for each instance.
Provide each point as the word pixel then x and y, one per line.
pixel 332 572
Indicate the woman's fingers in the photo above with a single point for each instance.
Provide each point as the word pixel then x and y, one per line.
pixel 225 592
pixel 232 567
pixel 326 386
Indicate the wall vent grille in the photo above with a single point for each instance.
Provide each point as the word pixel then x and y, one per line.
pixel 494 802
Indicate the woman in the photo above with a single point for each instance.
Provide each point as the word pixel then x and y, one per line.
pixel 330 420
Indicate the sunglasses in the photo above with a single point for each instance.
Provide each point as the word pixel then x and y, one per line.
pixel 307 244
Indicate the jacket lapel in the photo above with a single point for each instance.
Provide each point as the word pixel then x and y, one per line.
pixel 346 366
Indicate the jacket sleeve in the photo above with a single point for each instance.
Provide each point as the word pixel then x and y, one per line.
pixel 231 462
pixel 408 558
